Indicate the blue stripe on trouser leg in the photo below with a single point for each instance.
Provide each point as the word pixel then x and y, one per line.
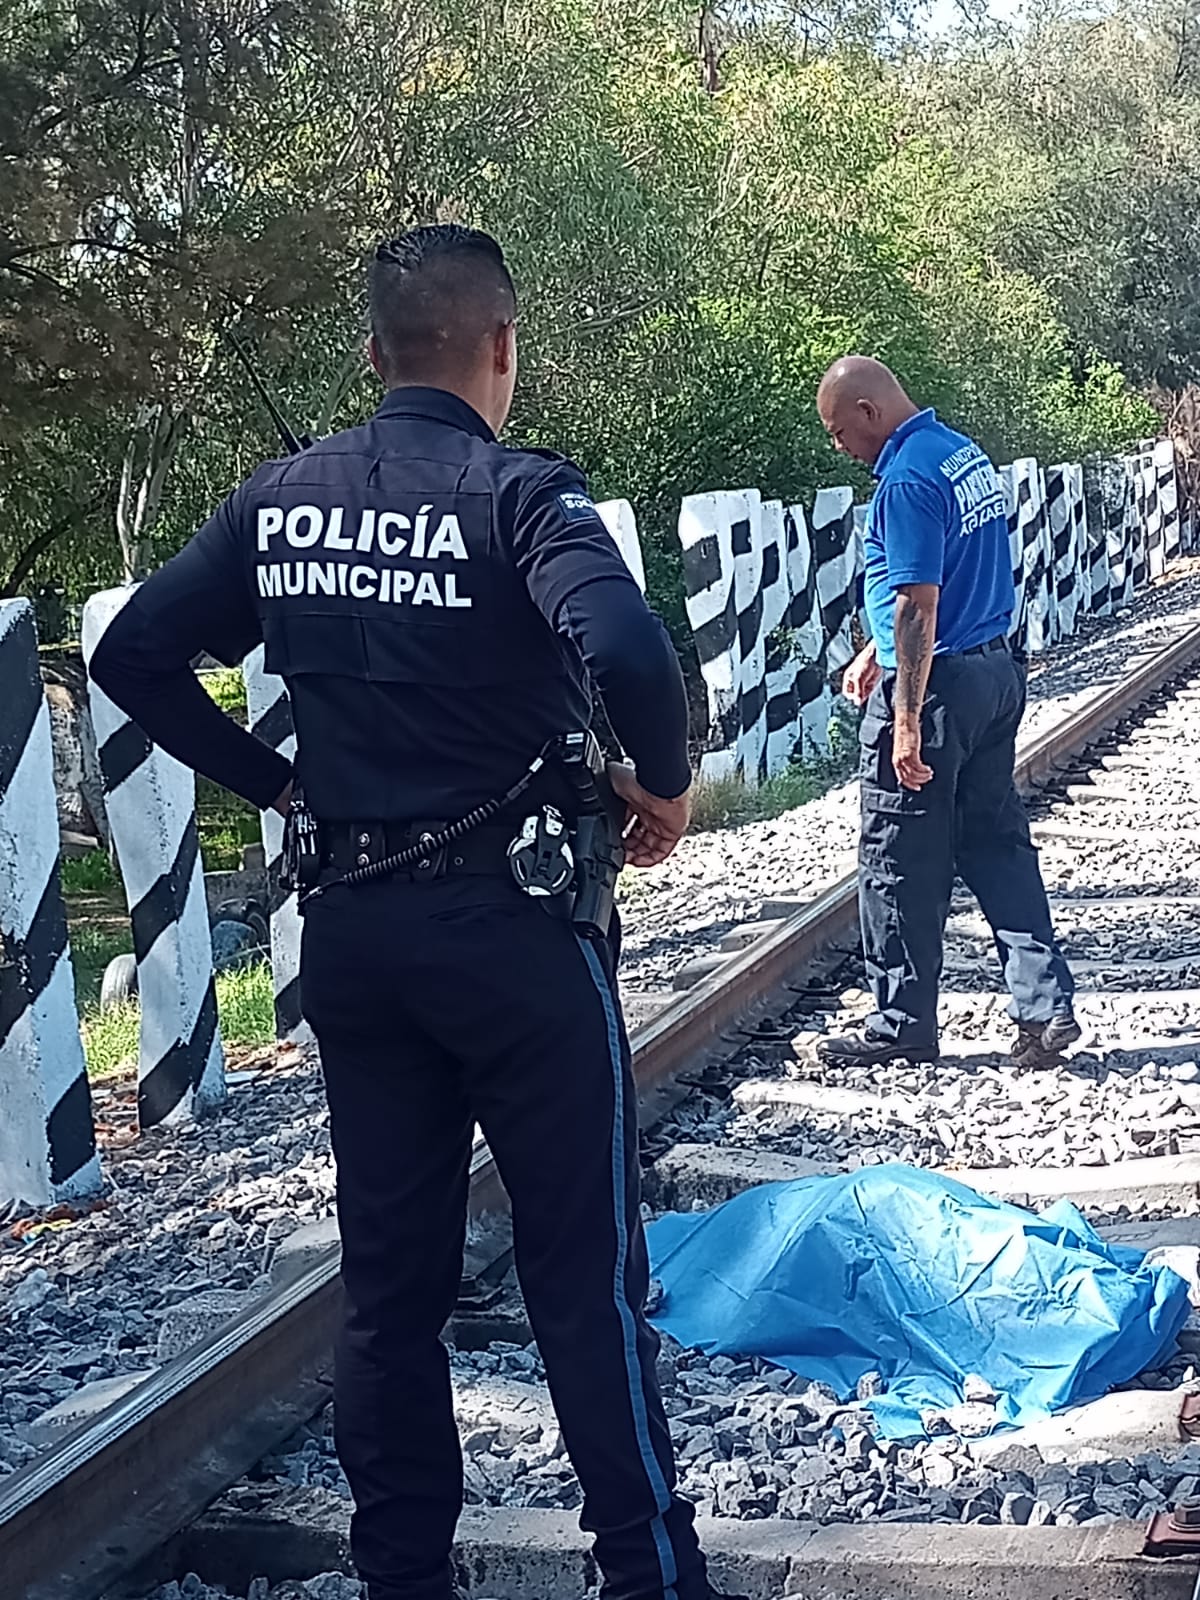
pixel 637 1394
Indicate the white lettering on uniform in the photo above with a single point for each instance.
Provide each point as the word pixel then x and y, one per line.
pixel 452 595
pixel 304 514
pixel 387 543
pixel 427 589
pixel 360 576
pixel 333 534
pixel 270 579
pixel 270 521
pixel 402 584
pixel 418 548
pixel 366 530
pixel 293 577
pixel 322 577
pixel 448 539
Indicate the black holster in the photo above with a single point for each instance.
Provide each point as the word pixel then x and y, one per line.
pixel 596 835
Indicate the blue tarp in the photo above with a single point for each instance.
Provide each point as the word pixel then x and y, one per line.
pixel 900 1271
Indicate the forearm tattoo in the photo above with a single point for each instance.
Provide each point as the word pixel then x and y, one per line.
pixel 915 629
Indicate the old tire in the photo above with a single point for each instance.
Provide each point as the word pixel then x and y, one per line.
pixel 120 982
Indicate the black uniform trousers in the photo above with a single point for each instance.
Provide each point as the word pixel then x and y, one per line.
pixel 967 820
pixel 435 1005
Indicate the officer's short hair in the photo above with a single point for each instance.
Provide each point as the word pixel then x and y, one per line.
pixel 436 293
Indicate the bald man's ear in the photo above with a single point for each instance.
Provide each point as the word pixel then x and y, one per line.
pixel 868 409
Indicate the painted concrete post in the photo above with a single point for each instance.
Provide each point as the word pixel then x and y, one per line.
pixel 1099 596
pixel 1168 498
pixel 1028 538
pixel 706 523
pixel 782 660
pixel 836 559
pixel 747 542
pixel 47 1140
pixel 270 716
pixel 617 516
pixel 151 802
pixel 804 620
pixel 1066 518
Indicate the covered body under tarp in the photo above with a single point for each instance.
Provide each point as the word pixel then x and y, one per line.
pixel 918 1277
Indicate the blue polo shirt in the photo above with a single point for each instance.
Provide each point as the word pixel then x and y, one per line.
pixel 937 517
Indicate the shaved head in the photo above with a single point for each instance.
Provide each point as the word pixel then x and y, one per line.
pixel 862 403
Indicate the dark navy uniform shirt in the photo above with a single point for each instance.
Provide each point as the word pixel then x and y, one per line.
pixel 437 604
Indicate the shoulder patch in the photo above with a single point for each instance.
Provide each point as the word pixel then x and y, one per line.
pixel 577 506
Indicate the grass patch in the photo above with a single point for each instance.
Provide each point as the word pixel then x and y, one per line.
pixel 110 1039
pixel 92 948
pixel 730 803
pixel 245 1007
pixel 89 874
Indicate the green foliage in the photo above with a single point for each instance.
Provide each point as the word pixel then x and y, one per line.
pixel 92 873
pixel 93 946
pixel 702 207
pixel 225 823
pixel 227 688
pixel 245 1011
pixel 729 802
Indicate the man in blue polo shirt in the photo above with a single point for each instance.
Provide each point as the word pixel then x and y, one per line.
pixel 944 697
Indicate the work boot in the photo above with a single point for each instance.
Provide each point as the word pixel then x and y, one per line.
pixel 1041 1044
pixel 863 1048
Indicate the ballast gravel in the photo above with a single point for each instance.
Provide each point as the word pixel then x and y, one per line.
pixel 192 1215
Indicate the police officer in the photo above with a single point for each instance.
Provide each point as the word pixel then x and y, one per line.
pixel 944 697
pixel 437 604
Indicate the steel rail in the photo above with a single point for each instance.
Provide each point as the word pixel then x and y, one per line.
pixel 78 1518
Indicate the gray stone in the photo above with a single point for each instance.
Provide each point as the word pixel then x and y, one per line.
pixel 82 1404
pixel 32 1291
pixel 1016 1510
pixel 303 1247
pixel 194 1319
pixel 1119 1502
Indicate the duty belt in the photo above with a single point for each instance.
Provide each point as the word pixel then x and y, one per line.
pixel 998 643
pixel 347 845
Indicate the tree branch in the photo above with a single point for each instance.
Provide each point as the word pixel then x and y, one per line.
pixel 37 546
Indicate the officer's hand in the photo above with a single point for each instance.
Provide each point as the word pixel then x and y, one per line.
pixel 653 826
pixel 861 676
pixel 906 754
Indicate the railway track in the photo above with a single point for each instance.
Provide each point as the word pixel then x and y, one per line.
pixel 155 1459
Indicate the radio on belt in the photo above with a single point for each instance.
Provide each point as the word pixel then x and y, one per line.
pixel 548 859
pixel 549 856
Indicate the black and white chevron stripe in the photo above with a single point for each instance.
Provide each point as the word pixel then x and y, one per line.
pixel 47 1140
pixel 709 525
pixel 1096 511
pixel 151 804
pixel 1066 518
pixel 1168 499
pixel 771 598
pixel 835 552
pixel 1144 530
pixel 270 712
pixel 807 636
pixel 1019 496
